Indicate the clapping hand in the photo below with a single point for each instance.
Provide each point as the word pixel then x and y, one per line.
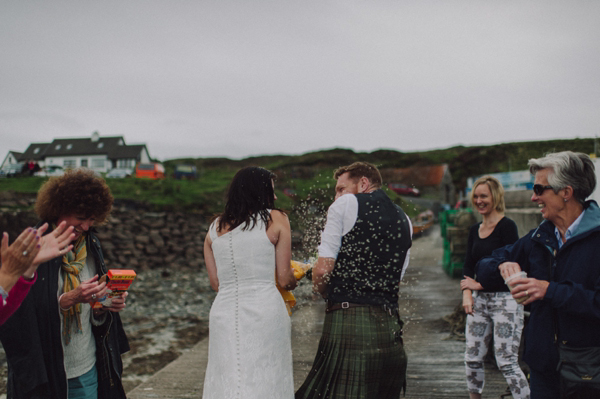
pixel 18 257
pixel 54 244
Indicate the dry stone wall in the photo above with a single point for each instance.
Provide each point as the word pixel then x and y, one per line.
pixel 134 236
pixel 149 240
pixel 137 239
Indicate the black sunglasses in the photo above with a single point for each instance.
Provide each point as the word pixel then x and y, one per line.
pixel 538 189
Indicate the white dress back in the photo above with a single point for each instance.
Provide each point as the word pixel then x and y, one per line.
pixel 250 353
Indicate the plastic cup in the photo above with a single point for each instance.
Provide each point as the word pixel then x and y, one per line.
pixel 511 286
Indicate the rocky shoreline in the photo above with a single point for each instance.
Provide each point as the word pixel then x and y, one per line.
pixel 169 301
pixel 167 313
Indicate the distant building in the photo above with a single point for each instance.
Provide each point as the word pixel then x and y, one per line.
pixel 596 194
pixel 433 181
pixel 11 158
pixel 511 181
pixel 517 188
pixel 98 153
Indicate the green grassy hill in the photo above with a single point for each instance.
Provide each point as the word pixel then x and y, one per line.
pixel 310 175
pixel 464 161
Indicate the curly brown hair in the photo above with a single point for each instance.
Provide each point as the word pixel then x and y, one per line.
pixel 78 192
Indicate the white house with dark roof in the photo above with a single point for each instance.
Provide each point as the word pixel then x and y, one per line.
pixel 11 158
pixel 98 153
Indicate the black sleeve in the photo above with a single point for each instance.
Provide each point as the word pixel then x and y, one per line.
pixel 469 266
pixel 509 233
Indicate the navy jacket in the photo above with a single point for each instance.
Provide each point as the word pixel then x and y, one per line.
pixel 32 340
pixel 574 291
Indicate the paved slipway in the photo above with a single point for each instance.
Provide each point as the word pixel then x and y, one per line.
pixel 435 365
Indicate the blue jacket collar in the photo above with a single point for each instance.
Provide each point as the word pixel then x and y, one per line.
pixel 591 218
pixel 589 223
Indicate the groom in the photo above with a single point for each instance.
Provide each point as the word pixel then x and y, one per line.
pixel 363 255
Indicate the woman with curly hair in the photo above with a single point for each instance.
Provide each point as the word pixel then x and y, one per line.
pixel 56 345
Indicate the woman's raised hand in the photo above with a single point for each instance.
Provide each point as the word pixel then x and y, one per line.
pixel 54 244
pixel 18 257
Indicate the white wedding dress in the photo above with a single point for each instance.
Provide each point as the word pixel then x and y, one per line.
pixel 249 348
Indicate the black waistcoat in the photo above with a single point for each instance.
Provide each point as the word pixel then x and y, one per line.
pixel 369 265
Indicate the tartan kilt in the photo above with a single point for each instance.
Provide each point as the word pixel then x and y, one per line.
pixel 360 355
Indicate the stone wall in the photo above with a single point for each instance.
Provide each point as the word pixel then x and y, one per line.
pixel 137 239
pixel 525 218
pixel 141 240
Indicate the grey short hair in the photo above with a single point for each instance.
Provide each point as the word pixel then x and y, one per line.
pixel 568 168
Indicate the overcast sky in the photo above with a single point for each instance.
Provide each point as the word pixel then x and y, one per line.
pixel 240 78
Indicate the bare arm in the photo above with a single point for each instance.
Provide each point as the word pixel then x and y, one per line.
pixel 321 273
pixel 211 264
pixel 467 302
pixel 280 234
pixel 468 285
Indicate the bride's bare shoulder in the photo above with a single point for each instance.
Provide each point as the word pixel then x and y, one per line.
pixel 277 214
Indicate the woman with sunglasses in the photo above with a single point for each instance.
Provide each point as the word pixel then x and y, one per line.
pixel 561 258
pixel 491 310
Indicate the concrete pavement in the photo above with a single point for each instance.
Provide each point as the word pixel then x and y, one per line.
pixel 435 360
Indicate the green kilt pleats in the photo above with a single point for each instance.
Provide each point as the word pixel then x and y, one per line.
pixel 360 356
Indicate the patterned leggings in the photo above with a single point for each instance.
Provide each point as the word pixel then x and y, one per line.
pixel 499 314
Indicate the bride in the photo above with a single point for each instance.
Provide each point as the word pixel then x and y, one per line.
pixel 247 250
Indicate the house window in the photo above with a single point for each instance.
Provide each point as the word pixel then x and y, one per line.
pixel 69 146
pixel 57 147
pixel 69 163
pixel 125 163
pixel 97 163
pixel 100 145
pixel 84 163
pixel 36 150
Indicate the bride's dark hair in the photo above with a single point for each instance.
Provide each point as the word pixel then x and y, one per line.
pixel 249 197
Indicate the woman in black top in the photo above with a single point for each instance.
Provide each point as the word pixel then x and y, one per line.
pixel 491 310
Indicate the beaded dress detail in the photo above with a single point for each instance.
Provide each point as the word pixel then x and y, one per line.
pixel 249 350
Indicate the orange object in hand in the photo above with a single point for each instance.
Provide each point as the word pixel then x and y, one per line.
pixel 300 270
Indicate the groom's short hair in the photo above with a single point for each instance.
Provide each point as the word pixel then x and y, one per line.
pixel 360 169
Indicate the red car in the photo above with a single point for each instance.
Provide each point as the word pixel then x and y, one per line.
pixel 403 189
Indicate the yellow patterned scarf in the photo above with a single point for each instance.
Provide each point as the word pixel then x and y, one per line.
pixel 73 263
